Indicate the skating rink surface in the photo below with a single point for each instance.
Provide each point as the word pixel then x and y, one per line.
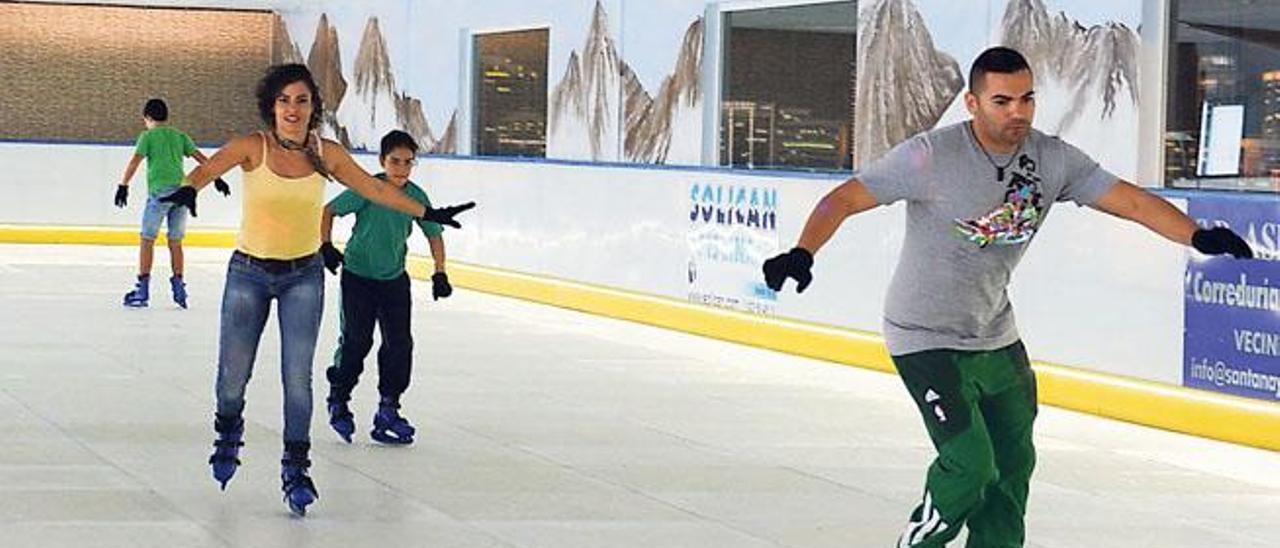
pixel 538 427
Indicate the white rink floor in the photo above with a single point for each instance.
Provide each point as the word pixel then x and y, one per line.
pixel 539 427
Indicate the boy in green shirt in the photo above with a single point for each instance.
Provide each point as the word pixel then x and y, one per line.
pixel 164 149
pixel 375 289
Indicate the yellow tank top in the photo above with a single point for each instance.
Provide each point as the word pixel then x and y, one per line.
pixel 280 216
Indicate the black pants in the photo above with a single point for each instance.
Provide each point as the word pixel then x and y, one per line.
pixel 365 302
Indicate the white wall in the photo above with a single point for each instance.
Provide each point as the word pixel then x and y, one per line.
pixel 75 184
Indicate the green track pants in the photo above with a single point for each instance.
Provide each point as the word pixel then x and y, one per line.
pixel 979 407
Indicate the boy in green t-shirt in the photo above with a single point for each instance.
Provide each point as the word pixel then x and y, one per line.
pixel 164 149
pixel 375 289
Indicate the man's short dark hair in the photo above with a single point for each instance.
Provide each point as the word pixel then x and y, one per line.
pixel 1000 60
pixel 396 139
pixel 155 109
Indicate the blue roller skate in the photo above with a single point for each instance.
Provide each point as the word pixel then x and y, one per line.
pixel 389 427
pixel 226 449
pixel 179 290
pixel 141 293
pixel 299 490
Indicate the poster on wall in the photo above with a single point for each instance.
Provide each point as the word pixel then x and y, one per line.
pixel 1231 342
pixel 732 230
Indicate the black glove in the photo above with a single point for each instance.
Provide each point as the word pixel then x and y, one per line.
pixel 184 196
pixel 1221 241
pixel 122 195
pixel 332 257
pixel 440 288
pixel 444 215
pixel 221 186
pixel 792 264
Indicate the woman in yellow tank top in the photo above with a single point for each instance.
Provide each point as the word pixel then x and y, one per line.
pixel 276 258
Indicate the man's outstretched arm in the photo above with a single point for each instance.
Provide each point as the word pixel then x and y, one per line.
pixel 843 201
pixel 1127 201
pixel 849 198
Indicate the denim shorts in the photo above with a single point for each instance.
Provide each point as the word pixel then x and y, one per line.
pixel 155 212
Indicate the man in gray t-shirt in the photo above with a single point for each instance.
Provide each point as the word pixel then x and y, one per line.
pixel 976 194
pixel 967 228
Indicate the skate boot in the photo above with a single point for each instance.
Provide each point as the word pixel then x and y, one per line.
pixel 389 426
pixel 179 290
pixel 299 491
pixel 226 449
pixel 141 293
pixel 340 418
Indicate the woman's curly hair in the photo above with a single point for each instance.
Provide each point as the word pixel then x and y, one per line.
pixel 269 87
pixel 276 78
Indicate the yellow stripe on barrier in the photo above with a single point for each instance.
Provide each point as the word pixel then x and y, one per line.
pixel 1196 412
pixel 24 234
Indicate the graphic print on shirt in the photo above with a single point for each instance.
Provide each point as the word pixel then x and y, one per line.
pixel 1015 221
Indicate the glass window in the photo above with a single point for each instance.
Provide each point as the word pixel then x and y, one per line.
pixel 511 93
pixel 789 87
pixel 1223 113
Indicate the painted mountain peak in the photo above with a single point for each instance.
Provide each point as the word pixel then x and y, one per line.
pixel 585 109
pixel 898 98
pixel 373 63
pixel 375 105
pixel 1094 63
pixel 283 48
pixel 448 142
pixel 652 124
pixel 599 92
pixel 325 63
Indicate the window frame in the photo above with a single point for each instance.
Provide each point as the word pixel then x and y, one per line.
pixel 1155 119
pixel 716 76
pixel 470 84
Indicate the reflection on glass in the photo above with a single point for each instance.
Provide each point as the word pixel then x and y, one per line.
pixel 788 98
pixel 1224 92
pixel 511 94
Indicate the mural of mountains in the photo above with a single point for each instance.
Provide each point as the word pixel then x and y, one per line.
pixel 448 143
pixel 653 124
pixel 1096 63
pixel 375 106
pixel 904 84
pixel 325 63
pixel 585 109
pixel 599 92
pixel 283 49
pixel 1086 80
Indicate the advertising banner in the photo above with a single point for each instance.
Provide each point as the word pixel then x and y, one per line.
pixel 733 228
pixel 1232 307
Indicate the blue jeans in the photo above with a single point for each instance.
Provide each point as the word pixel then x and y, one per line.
pixel 155 212
pixel 298 289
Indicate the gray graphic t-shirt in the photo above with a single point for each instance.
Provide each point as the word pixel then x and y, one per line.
pixel 968 224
